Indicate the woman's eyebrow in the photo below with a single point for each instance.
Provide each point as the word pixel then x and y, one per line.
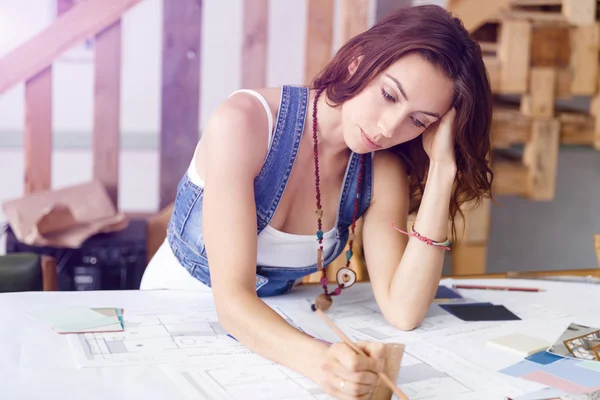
pixel 403 93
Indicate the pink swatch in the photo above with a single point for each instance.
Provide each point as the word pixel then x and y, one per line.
pixel 558 383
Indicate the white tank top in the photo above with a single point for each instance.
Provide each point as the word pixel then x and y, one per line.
pixel 276 248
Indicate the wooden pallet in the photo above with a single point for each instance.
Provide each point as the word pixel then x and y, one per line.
pixel 543 52
pixel 513 48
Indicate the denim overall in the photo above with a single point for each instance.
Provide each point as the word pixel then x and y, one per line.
pixel 185 234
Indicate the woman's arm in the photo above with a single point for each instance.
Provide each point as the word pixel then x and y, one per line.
pixel 234 155
pixel 405 272
pixel 234 150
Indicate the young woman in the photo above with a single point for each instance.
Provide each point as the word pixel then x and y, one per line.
pixel 397 122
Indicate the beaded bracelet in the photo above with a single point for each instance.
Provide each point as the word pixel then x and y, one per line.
pixel 444 245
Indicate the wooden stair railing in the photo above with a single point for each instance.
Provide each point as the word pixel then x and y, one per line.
pixel 77 20
pixel 84 20
pixel 32 62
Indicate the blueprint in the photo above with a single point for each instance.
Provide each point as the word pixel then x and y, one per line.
pixel 434 373
pixel 243 378
pixel 364 319
pixel 157 337
pixel 426 372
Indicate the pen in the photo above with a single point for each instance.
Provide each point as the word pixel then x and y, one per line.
pixel 508 288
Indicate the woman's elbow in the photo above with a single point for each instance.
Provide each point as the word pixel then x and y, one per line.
pixel 403 321
pixel 407 324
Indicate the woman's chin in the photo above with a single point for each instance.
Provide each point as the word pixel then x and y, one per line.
pixel 357 146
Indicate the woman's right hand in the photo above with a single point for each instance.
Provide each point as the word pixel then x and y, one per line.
pixel 346 375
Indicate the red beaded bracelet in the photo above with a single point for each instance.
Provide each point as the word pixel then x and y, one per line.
pixel 444 245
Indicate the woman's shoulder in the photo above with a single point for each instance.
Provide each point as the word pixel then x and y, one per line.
pixel 388 165
pixel 389 173
pixel 239 126
pixel 252 102
pixel 242 109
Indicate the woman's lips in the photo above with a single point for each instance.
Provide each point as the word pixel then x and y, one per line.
pixel 368 142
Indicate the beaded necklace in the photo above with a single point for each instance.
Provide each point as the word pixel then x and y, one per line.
pixel 345 277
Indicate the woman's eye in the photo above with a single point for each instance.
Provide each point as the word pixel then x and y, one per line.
pixel 387 96
pixel 418 123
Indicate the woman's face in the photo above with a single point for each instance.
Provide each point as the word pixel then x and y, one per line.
pixel 397 105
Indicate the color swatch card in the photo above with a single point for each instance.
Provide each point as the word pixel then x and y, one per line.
pixel 480 312
pixel 79 319
pixel 518 343
pixel 569 375
pixel 446 294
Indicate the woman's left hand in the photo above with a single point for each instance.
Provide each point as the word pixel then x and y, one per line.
pixel 438 139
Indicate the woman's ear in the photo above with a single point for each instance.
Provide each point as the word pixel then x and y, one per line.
pixel 353 66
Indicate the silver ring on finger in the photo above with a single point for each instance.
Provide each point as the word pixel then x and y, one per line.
pixel 342 383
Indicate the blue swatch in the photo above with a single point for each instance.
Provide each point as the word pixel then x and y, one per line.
pixel 444 292
pixel 567 369
pixel 543 358
pixel 521 368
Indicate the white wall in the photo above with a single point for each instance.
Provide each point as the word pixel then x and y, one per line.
pixel 141 57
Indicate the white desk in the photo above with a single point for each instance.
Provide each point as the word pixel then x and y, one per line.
pixel 36 363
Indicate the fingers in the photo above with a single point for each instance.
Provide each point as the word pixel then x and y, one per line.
pixel 376 351
pixel 448 118
pixel 362 378
pixel 352 361
pixel 343 389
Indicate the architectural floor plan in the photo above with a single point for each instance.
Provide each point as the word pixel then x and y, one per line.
pixel 156 337
pixel 427 372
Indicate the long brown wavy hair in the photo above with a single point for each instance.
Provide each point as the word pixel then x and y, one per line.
pixel 437 36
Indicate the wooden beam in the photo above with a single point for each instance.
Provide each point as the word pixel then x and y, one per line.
pixel 564 79
pixel 319 37
pixel 510 178
pixel 38 123
pixel 534 16
pixel 475 226
pixel 49 274
pixel 556 49
pixel 541 159
pixel 584 60
pixel 514 55
pixel 522 3
pixel 576 129
pixel 180 95
pixel 255 43
pixel 107 100
pixel 580 12
pixel 469 259
pixel 475 13
pixel 493 67
pixel 539 101
pixel 83 21
pixel 354 18
pixel 509 126
pixel 38 132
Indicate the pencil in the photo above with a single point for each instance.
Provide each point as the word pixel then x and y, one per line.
pixel 357 349
pixel 508 288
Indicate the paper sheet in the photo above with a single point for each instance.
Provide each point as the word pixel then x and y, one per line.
pixel 180 335
pixel 427 372
pixel 242 378
pixel 73 318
